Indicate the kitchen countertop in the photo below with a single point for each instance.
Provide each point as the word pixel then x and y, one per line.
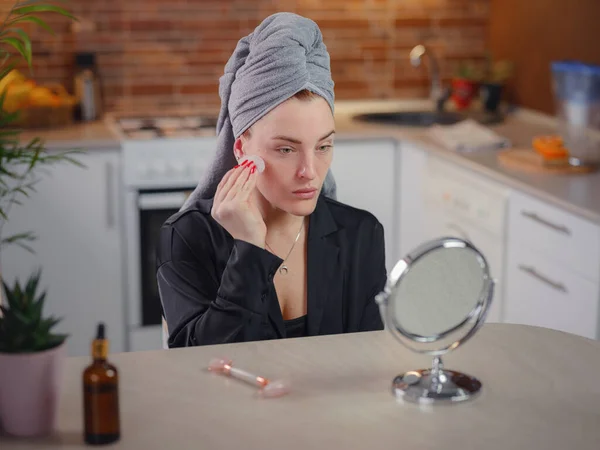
pixel 539 391
pixel 96 135
pixel 578 194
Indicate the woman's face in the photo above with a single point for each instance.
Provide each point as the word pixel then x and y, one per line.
pixel 296 142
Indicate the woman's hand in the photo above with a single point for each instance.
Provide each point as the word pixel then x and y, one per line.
pixel 234 206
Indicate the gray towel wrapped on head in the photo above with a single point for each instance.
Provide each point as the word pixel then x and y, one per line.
pixel 284 55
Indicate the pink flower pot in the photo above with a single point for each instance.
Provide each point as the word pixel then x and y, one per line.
pixel 30 387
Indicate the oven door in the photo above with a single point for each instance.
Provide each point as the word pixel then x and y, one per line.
pixel 153 209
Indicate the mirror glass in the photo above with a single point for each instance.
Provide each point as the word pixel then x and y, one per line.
pixel 438 291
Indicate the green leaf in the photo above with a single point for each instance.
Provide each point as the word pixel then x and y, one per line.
pixel 35 142
pixel 6 133
pixel 8 118
pixel 26 43
pixel 28 236
pixel 32 19
pixel 74 162
pixel 32 284
pixel 16 43
pixel 10 295
pixel 6 71
pixel 36 155
pixel 54 340
pixel 2 98
pixel 47 324
pixel 21 191
pixel 22 325
pixel 8 173
pixel 21 316
pixel 25 247
pixel 37 8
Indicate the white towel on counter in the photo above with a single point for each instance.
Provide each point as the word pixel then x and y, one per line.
pixel 468 136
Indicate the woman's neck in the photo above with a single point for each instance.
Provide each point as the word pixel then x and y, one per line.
pixel 278 222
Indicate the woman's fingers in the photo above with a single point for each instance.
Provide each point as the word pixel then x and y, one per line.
pixel 249 185
pixel 220 192
pixel 239 182
pixel 228 183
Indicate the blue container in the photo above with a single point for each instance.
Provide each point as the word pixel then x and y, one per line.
pixel 576 88
pixel 576 82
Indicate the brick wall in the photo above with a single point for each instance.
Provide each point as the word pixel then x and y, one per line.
pixel 171 53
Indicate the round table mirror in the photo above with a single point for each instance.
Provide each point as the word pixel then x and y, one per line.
pixel 435 299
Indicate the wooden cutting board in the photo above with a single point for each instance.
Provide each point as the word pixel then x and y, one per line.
pixel 528 160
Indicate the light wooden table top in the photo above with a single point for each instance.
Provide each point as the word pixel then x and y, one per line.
pixel 541 390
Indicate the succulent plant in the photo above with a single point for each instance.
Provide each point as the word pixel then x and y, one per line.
pixel 23 326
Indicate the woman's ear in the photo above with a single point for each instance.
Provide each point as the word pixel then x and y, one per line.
pixel 238 150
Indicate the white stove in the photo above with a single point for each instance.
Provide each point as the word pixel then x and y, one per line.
pixel 164 156
pixel 148 127
pixel 164 151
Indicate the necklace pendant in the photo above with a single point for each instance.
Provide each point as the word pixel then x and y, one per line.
pixel 283 270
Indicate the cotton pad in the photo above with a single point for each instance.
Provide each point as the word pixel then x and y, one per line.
pixel 257 160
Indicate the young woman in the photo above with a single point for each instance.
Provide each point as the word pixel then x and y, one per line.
pixel 265 255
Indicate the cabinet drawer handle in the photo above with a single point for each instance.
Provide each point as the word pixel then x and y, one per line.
pixel 534 273
pixel 110 215
pixel 533 216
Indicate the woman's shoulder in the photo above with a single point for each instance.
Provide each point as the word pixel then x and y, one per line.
pixel 188 219
pixel 192 229
pixel 347 216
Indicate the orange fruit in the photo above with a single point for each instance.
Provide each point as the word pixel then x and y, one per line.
pixel 550 147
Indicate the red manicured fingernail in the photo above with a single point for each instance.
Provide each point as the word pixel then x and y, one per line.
pixel 236 166
pixel 253 169
pixel 245 163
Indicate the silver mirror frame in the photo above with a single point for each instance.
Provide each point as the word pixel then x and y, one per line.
pixel 436 384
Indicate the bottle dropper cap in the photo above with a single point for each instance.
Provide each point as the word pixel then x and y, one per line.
pixel 100 332
pixel 100 344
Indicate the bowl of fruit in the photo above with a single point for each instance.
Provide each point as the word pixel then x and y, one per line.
pixel 39 106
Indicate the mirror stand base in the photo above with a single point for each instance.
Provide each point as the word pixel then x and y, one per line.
pixel 446 386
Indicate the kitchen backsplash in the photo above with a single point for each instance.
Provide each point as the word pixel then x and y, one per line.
pixel 169 54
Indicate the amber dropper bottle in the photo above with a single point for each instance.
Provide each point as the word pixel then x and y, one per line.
pixel 101 395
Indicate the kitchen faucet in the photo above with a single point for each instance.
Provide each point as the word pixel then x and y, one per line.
pixel 437 93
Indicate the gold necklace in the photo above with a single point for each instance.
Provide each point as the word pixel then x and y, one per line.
pixel 283 269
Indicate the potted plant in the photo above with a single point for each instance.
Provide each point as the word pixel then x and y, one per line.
pixel 496 74
pixel 465 84
pixel 30 354
pixel 19 161
pixel 31 361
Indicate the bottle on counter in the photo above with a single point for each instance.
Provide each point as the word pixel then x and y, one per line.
pixel 101 395
pixel 87 88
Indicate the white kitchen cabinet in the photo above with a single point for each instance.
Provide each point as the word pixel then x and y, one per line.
pixel 553 268
pixel 411 202
pixel 365 178
pixel 445 224
pixel 568 240
pixel 541 292
pixel 461 203
pixel 77 216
